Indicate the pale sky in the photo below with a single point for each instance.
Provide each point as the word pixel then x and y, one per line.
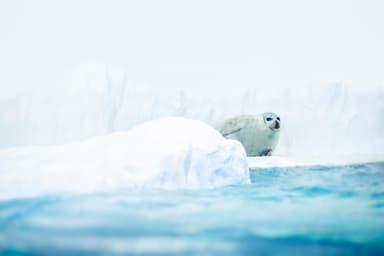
pixel 185 44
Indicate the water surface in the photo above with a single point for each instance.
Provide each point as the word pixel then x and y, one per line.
pixel 314 210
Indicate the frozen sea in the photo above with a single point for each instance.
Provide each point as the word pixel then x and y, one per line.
pixel 314 210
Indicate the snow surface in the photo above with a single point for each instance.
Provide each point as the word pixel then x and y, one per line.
pixel 167 153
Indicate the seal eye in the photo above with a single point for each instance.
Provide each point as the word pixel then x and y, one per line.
pixel 268 119
pixel 278 118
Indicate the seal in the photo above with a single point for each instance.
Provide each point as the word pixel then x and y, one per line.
pixel 259 134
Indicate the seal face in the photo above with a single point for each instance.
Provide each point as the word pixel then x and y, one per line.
pixel 272 120
pixel 259 134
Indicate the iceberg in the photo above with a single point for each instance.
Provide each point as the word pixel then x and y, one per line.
pixel 167 153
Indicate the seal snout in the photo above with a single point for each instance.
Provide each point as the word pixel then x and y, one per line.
pixel 277 123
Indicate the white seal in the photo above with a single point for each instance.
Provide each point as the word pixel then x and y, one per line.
pixel 259 134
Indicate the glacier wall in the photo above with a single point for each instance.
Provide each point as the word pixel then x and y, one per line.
pixel 324 119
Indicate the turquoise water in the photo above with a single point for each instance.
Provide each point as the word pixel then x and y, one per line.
pixel 318 210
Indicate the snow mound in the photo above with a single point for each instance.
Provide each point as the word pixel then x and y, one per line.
pixel 168 153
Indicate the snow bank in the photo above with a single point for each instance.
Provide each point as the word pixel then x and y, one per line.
pixel 167 153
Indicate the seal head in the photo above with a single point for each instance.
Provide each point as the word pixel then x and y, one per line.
pixel 272 120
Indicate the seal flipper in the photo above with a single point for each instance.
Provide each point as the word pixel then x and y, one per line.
pixel 231 132
pixel 266 152
pixel 231 126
